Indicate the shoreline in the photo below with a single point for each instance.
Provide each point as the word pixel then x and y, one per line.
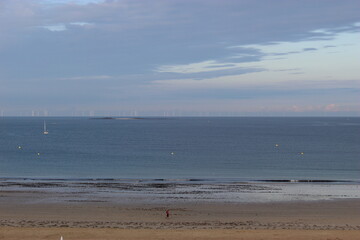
pixel 176 180
pixel 128 191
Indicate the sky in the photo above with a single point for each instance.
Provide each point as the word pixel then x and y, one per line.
pixel 180 57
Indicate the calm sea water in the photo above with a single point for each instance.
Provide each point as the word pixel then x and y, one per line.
pixel 240 148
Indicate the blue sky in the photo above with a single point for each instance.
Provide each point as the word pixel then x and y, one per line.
pixel 180 57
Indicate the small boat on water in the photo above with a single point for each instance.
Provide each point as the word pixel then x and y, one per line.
pixel 45 130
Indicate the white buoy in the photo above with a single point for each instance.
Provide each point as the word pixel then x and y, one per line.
pixel 61 238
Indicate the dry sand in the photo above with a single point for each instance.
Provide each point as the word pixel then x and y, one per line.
pixel 176 234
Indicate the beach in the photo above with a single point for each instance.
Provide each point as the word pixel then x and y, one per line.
pixel 316 220
pixel 35 211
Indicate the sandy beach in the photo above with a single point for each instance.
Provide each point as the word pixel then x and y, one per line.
pixel 30 214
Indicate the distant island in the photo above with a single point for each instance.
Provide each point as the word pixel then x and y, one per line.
pixel 127 118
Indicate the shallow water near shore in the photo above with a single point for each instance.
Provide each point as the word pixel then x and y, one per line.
pixel 175 191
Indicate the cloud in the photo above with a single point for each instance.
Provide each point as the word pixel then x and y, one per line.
pixel 331 107
pixel 201 67
pixel 329 46
pixel 55 28
pixel 260 58
pixel 286 70
pixel 80 23
pixel 100 77
pixel 309 49
pixel 78 2
pixel 136 48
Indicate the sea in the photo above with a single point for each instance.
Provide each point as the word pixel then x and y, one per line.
pixel 324 149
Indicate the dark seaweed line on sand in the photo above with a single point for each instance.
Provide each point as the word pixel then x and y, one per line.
pixel 184 180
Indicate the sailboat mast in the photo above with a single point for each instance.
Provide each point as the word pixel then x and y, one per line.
pixel 45 131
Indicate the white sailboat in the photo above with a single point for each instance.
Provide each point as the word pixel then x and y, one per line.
pixel 45 130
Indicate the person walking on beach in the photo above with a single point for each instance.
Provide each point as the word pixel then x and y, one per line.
pixel 167 213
